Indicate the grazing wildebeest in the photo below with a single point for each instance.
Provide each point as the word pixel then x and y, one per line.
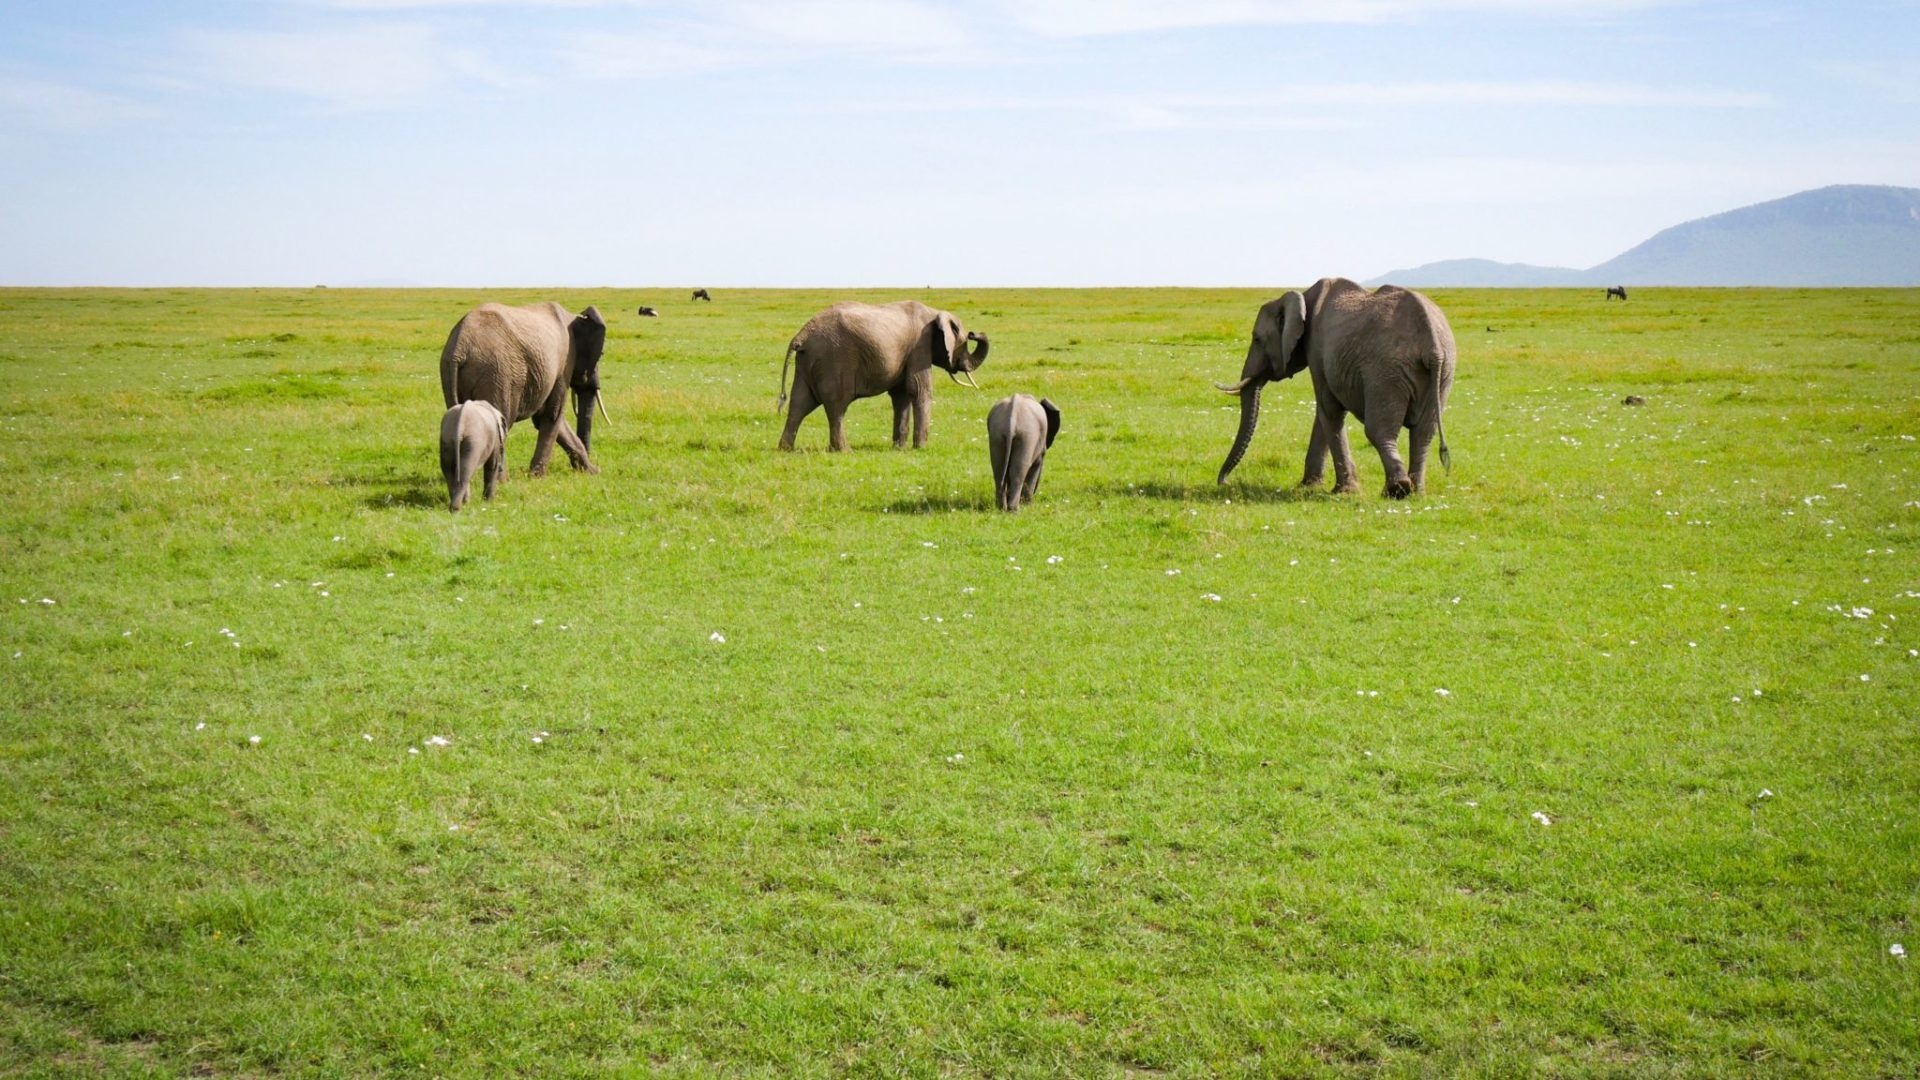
pixel 1616 290
pixel 649 312
pixel 701 294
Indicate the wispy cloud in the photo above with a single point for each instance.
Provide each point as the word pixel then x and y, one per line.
pixel 365 66
pixel 28 101
pixel 1085 18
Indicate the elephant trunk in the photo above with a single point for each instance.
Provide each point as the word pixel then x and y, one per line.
pixel 971 359
pixel 1249 419
pixel 583 401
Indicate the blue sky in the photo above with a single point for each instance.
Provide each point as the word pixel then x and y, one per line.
pixel 907 143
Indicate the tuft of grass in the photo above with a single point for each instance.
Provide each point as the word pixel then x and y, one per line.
pixel 959 792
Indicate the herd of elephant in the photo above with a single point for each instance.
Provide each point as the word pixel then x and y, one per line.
pixel 1385 356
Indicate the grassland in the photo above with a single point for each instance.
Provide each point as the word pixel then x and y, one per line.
pixel 960 793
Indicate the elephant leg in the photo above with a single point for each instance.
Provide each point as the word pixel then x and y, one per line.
pixel 1033 480
pixel 902 409
pixel 1332 421
pixel 1383 431
pixel 576 450
pixel 836 426
pixel 496 467
pixel 1417 446
pixel 1020 457
pixel 798 406
pixel 543 445
pixel 1316 472
pixel 922 412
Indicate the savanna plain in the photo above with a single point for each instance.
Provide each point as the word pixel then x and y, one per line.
pixel 1601 757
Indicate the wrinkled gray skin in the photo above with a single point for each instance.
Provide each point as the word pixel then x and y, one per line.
pixel 854 351
pixel 1387 357
pixel 473 435
pixel 1019 432
pixel 524 361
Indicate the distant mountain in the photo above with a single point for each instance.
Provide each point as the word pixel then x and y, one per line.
pixel 1848 234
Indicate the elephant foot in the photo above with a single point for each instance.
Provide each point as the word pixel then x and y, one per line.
pixel 787 445
pixel 1399 489
pixel 536 470
pixel 587 467
pixel 1351 487
pixel 1313 482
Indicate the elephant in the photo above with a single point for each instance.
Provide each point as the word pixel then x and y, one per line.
pixel 523 361
pixel 1616 290
pixel 473 435
pixel 855 350
pixel 1020 430
pixel 1387 357
pixel 701 294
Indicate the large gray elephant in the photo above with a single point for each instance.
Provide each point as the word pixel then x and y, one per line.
pixel 1020 431
pixel 854 351
pixel 1387 357
pixel 523 361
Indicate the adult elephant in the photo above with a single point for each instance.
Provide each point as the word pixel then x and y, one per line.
pixel 524 360
pixel 1387 357
pixel 854 351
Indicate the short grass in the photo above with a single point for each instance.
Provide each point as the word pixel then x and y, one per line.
pixel 1155 777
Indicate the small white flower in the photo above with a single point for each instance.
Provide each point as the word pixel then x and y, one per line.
pixel 1765 793
pixel 1173 573
pixel 1542 818
pixel 537 740
pixel 1866 678
pixel 47 600
pixel 253 740
pixel 337 539
pixel 967 591
pixel 539 622
pixel 201 726
pixel 453 828
pixel 413 749
pixel 719 637
pixel 1897 950
pixel 928 544
pixel 1443 691
pixel 1472 804
pixel 1055 560
pixel 955 759
pixel 1212 596
pixel 436 740
pixel 364 737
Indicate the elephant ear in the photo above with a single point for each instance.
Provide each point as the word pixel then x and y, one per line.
pixel 1293 329
pixel 588 334
pixel 1053 419
pixel 937 337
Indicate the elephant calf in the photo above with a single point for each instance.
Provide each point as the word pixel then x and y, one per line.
pixel 1019 432
pixel 473 435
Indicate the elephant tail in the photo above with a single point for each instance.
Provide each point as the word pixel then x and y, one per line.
pixel 1439 424
pixel 781 402
pixel 450 382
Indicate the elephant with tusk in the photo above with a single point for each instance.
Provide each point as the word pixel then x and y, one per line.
pixel 852 351
pixel 524 361
pixel 1387 357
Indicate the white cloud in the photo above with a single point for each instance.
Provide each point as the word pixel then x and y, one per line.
pixel 1087 18
pixel 44 104
pixel 372 65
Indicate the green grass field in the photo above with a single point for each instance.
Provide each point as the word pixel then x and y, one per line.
pixel 1155 777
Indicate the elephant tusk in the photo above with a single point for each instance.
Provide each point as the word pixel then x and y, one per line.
pixel 968 375
pixel 1234 389
pixel 601 400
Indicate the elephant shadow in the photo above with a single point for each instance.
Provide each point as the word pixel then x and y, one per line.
pixel 1173 491
pixel 393 488
pixel 940 504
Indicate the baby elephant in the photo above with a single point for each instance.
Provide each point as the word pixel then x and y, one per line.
pixel 472 434
pixel 1019 431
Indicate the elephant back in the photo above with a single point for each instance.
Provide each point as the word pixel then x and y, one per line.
pixel 510 357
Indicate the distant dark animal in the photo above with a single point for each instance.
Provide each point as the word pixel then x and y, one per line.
pixel 649 312
pixel 1634 399
pixel 1616 290
pixel 701 294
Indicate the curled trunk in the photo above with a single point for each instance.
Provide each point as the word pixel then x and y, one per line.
pixel 971 359
pixel 1249 419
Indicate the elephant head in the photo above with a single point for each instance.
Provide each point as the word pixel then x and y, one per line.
pixel 945 334
pixel 587 336
pixel 1276 352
